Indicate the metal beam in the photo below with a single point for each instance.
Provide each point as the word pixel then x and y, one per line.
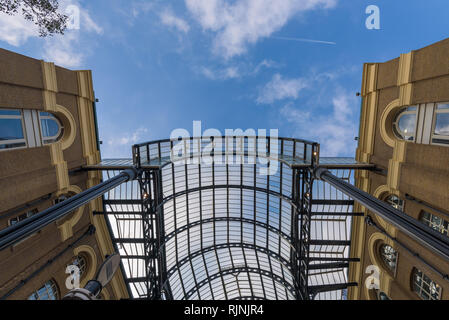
pixel 314 290
pixel 227 219
pixel 332 202
pixel 344 214
pixel 27 227
pixel 336 265
pixel 431 239
pixel 229 271
pixel 335 259
pixel 318 242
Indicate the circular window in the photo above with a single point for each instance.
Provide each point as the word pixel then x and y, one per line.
pixel 404 125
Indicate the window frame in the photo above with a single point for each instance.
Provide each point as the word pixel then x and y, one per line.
pixel 52 139
pixel 32 131
pixel 24 133
pixel 434 136
pixel 382 254
pixel 430 223
pixel 52 285
pixel 403 112
pixel 399 206
pixel 414 283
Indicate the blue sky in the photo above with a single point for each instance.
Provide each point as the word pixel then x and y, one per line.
pixel 159 65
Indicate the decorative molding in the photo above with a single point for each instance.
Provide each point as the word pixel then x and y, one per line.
pixel 395 164
pixel 66 228
pixel 405 78
pixel 406 94
pixel 379 193
pixel 69 124
pixel 57 159
pixel 405 68
pixel 49 75
pixel 91 154
pixel 386 122
pixel 358 232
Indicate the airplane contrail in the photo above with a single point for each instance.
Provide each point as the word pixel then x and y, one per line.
pixel 304 40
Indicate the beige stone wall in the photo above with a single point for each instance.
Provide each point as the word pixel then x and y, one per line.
pixel 33 178
pixel 418 170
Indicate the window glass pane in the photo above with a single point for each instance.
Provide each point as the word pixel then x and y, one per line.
pixel 442 106
pixel 50 128
pixel 11 129
pixel 425 287
pixel 9 113
pixel 442 124
pixel 407 125
pixel 12 146
pixel 48 291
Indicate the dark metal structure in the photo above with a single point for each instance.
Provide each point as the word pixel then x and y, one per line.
pixel 200 218
pixel 189 229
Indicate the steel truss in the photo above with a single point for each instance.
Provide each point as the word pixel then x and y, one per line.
pixel 220 231
pixel 287 266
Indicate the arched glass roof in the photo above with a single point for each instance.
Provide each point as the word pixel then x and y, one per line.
pixel 223 231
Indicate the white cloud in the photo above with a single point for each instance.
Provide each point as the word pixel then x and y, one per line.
pixel 235 71
pixel 169 19
pixel 280 89
pixel 60 49
pixel 64 50
pixel 129 138
pixel 224 74
pixel 241 23
pixel 15 30
pixel 335 132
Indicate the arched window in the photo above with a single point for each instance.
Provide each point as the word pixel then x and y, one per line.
pixel 435 222
pixel 440 131
pixel 49 291
pixel 28 128
pixel 11 129
pixel 51 128
pixel 389 257
pixel 424 287
pixel 404 125
pixel 81 262
pixel 395 202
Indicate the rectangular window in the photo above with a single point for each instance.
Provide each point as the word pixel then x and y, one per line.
pixel 425 288
pixel 12 133
pixel 440 134
pixel 435 222
pixel 22 217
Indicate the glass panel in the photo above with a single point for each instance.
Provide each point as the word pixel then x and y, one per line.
pixel 9 113
pixel 11 129
pixel 12 146
pixel 442 124
pixel 395 202
pixel 50 128
pixel 389 256
pixel 406 126
pixel 47 292
pixel 442 106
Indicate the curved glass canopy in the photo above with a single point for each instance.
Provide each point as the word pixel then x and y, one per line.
pixel 223 230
